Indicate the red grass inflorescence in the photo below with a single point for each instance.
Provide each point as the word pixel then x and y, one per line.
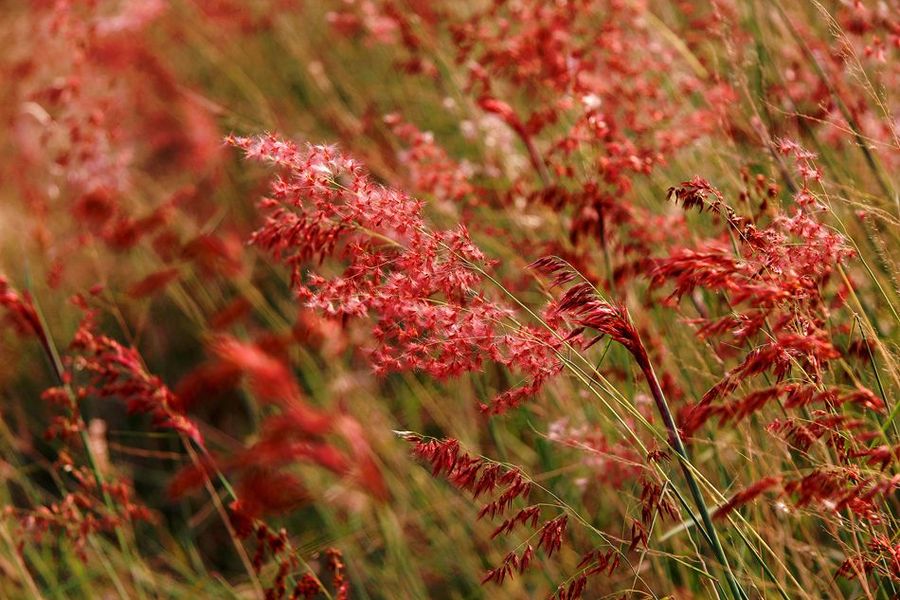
pixel 421 288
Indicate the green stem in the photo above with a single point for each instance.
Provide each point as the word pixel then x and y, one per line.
pixel 58 370
pixel 678 445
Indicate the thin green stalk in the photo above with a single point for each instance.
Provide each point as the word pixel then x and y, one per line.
pixel 223 514
pixel 890 420
pixel 678 445
pixel 871 161
pixel 58 370
pixel 20 564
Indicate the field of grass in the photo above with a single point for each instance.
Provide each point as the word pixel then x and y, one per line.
pixel 358 299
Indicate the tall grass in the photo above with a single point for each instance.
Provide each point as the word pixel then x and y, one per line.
pixel 588 299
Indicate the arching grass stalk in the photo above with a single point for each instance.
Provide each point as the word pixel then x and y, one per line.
pixel 346 203
pixel 56 367
pixel 590 310
pixel 677 444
